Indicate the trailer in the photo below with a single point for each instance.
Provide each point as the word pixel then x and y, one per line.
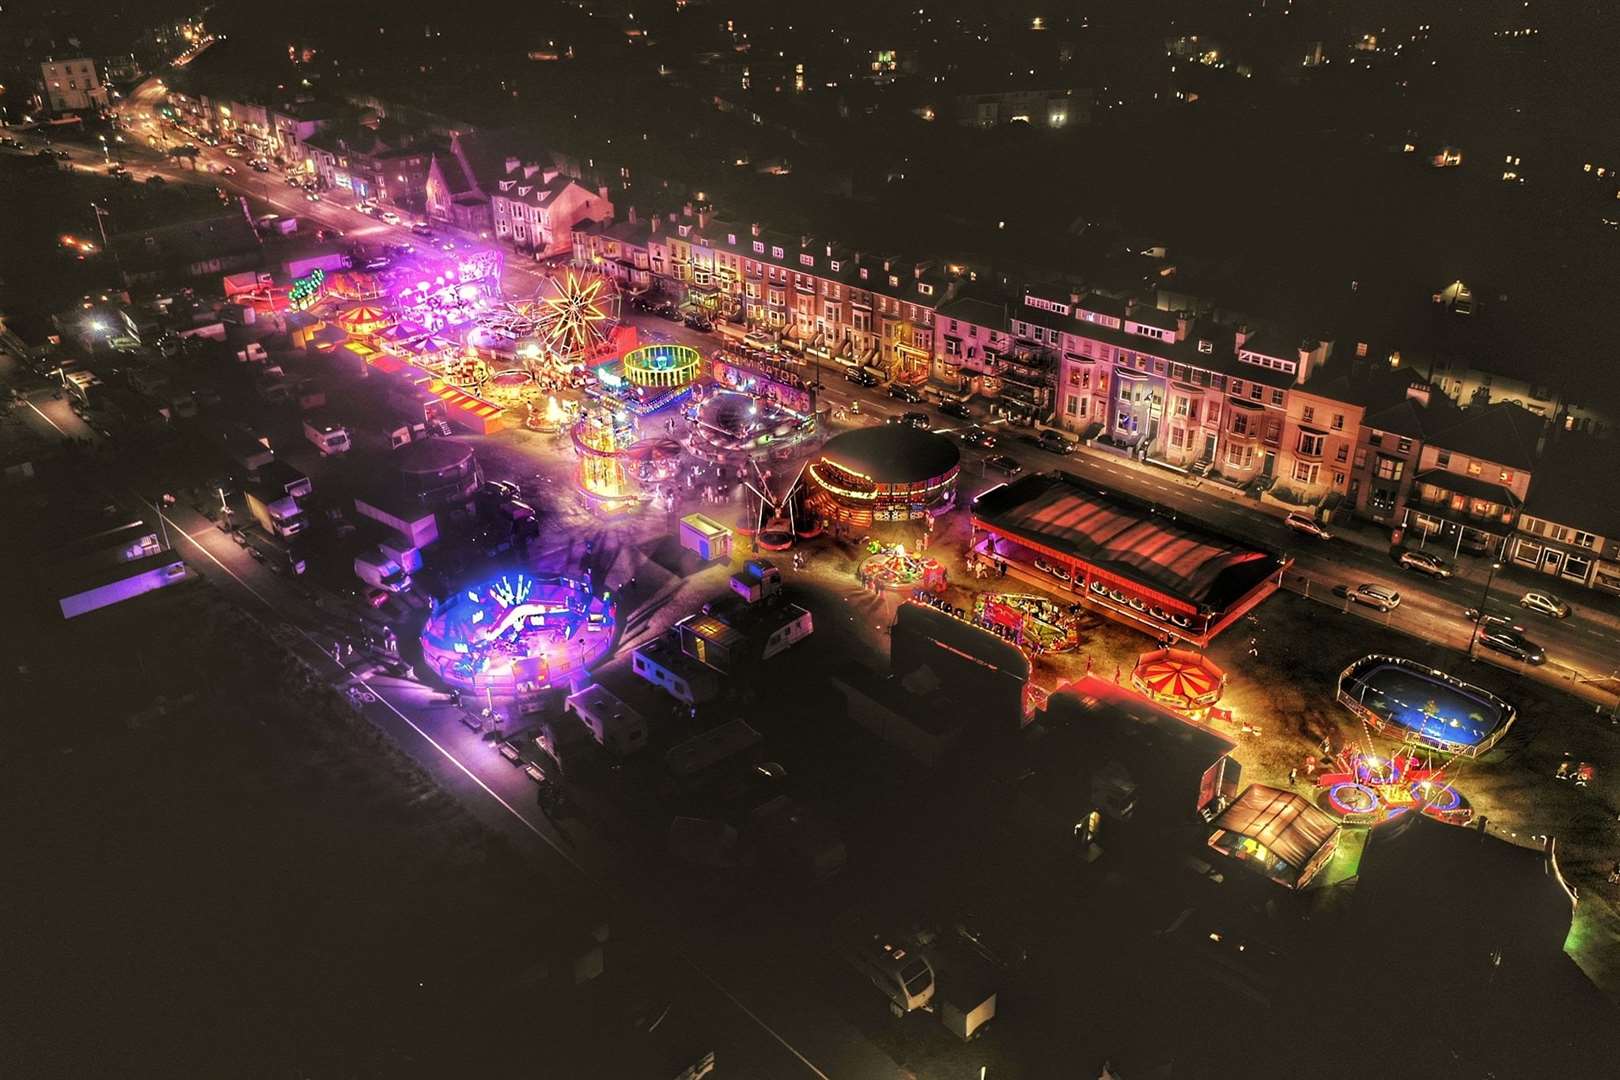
pixel 276 512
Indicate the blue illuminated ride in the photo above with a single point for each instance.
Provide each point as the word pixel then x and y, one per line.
pixel 519 634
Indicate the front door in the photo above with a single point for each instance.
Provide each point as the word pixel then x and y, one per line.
pixel 1552 561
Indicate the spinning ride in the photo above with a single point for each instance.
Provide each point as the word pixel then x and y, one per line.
pixel 519 634
pixel 1030 620
pixel 615 463
pixel 894 568
pixel 1179 679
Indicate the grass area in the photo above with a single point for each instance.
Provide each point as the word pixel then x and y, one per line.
pixel 228 872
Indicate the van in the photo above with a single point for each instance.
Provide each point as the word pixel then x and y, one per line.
pixel 616 727
pixel 904 976
pixel 520 517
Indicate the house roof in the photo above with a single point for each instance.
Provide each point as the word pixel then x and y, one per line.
pixel 1503 433
pixel 1562 492
pixel 975 310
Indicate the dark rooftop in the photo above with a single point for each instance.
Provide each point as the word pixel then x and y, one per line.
pixel 893 454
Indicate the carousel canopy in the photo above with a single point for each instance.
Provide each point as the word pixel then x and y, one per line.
pixel 1179 677
pixel 363 319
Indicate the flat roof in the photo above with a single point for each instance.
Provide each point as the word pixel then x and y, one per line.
pixel 1119 535
pixel 1283 822
pixel 892 454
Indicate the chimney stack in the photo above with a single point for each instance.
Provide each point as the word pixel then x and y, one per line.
pixel 630 216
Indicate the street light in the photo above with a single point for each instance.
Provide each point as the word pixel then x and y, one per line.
pixel 1479 612
pixel 106 153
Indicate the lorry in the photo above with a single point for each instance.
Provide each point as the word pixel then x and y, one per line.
pixel 381 571
pixel 279 476
pixel 329 436
pixel 616 727
pixel 247 449
pixel 276 512
pixel 280 555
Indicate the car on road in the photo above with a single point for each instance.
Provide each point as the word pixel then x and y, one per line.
pixel 918 420
pixel 1424 563
pixel 957 409
pixel 1308 525
pixel 1545 603
pixel 695 321
pixel 1488 619
pixel 1373 596
pixel 983 438
pixel 421 228
pixel 232 151
pixel 1505 641
pixel 861 377
pixel 312 196
pixel 228 170
pixel 401 250
pixel 63 155
pixel 390 217
pixel 259 166
pixel 155 180
pixel 293 181
pixel 1003 464
pixel 908 394
pixel 7 140
pixel 1052 442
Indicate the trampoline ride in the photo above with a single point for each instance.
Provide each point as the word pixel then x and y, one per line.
pixel 1374 790
pixel 519 634
pixel 1423 706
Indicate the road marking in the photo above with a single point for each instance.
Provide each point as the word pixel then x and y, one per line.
pixel 48 420
pixel 527 824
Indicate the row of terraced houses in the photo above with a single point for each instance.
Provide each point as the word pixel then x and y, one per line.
pixel 1336 427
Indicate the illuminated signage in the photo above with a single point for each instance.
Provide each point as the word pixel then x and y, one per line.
pixel 305 291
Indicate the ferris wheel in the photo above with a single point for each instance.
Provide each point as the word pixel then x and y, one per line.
pixel 575 313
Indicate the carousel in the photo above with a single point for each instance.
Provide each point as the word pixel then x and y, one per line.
pixel 892 567
pixel 364 320
pixel 1179 679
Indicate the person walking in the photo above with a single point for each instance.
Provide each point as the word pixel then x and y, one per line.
pixel 1293 776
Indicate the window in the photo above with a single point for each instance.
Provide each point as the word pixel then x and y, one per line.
pixel 1310 444
pixel 1443 459
pixel 1277 397
pixel 1343 454
pixel 806 259
pixel 1405 447
pixel 776 252
pixel 1240 457
pixel 1308 415
pixel 1338 421
pixel 1361 459
pixel 1256 392
pixel 1305 472
pixel 1178 438
pixel 759 247
pixel 1338 479
pixel 1072 406
pixel 1585 539
pixel 1237 386
pixel 1240 424
pixel 1376 438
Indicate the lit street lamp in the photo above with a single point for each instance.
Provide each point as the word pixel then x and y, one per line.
pixel 1479 613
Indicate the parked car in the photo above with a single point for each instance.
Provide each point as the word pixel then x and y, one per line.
pixel 957 409
pixel 861 377
pixel 366 206
pixel 294 181
pixel 1053 442
pixel 1545 603
pixel 1308 525
pixel 919 420
pixel 902 392
pixel 1003 464
pixel 983 438
pixel 1374 596
pixel 1505 641
pixel 1424 563
pixel 389 217
pixel 698 322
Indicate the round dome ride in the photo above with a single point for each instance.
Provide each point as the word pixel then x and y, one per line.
pixel 893 472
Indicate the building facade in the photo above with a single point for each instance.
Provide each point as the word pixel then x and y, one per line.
pixel 71 85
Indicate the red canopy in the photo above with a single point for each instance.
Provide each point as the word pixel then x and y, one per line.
pixel 1179 678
